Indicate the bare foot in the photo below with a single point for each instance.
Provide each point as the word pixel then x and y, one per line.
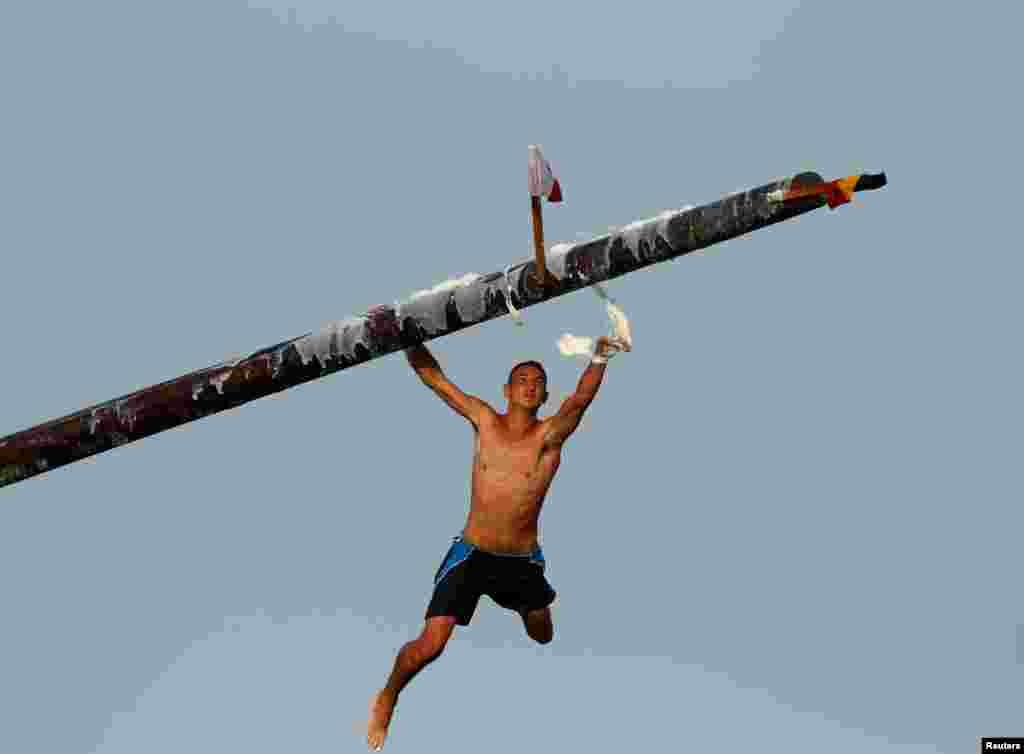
pixel 381 707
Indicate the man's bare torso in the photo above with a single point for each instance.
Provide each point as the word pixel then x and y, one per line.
pixel 512 471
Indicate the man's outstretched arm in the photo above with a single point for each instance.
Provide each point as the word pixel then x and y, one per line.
pixel 429 371
pixel 565 422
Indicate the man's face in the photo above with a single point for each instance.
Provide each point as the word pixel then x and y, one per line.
pixel 527 388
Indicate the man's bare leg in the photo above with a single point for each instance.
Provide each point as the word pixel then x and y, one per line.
pixel 538 625
pixel 412 658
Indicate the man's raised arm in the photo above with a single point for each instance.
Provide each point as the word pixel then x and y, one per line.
pixel 565 422
pixel 429 371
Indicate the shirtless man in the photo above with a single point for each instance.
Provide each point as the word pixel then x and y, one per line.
pixel 498 553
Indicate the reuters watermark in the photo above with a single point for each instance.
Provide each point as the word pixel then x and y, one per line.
pixel 1002 743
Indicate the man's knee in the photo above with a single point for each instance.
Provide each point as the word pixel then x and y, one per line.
pixel 432 641
pixel 539 626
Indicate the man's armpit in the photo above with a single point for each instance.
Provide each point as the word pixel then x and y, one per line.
pixel 482 408
pixel 471 407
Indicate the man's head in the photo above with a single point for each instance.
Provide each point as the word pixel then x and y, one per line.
pixel 527 385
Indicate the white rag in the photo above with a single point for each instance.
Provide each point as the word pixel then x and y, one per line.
pixel 576 345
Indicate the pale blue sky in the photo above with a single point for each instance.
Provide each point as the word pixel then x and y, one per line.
pixel 791 517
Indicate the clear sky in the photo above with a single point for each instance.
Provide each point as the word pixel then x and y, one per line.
pixel 791 519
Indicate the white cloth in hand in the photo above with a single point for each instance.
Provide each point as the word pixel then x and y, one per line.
pixel 621 338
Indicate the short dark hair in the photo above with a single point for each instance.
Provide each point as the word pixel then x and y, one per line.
pixel 536 364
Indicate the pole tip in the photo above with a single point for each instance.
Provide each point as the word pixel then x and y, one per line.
pixel 870 181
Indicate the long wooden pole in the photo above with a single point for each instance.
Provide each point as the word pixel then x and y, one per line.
pixel 385 329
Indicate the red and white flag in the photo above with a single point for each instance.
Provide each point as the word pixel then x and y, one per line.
pixel 542 180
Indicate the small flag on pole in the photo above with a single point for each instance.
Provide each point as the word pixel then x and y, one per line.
pixel 542 179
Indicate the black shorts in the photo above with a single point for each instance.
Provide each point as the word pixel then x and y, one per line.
pixel 515 582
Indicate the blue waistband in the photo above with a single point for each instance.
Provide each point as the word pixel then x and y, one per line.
pixel 460 551
pixel 535 554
